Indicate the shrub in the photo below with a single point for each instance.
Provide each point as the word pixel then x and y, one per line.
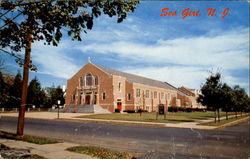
pixel 129 111
pixel 117 110
pixel 188 109
pixel 181 109
pixel 141 111
pixel 172 109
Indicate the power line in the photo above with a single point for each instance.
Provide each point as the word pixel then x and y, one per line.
pixel 8 11
pixel 12 54
pixel 12 19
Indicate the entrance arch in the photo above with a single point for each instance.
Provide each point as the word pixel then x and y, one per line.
pixel 87 99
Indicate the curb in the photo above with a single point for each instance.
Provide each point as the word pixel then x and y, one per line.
pixel 136 123
pixel 233 122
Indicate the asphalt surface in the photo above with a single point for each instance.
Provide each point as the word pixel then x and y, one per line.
pixel 145 142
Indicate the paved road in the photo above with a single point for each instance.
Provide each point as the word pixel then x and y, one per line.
pixel 146 142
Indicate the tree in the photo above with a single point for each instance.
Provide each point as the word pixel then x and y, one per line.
pixel 36 95
pixel 15 92
pixel 44 20
pixel 210 94
pixel 241 100
pixel 57 94
pixel 6 81
pixel 3 92
pixel 227 98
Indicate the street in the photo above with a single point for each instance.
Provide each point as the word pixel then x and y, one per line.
pixel 145 142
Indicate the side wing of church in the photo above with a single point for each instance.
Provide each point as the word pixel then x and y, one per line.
pixel 111 89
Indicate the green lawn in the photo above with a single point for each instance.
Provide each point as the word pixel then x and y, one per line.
pixel 151 117
pixel 102 153
pixel 224 121
pixel 28 138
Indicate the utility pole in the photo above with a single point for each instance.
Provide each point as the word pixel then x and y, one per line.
pixel 26 65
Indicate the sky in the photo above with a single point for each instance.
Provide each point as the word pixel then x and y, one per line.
pixel 182 52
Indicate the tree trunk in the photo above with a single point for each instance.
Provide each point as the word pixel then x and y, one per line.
pixel 215 115
pixel 236 114
pixel 218 110
pixel 226 115
pixel 20 125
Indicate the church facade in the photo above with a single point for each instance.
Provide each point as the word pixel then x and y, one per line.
pixel 112 89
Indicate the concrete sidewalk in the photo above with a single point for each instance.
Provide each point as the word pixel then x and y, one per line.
pixel 49 151
pixel 74 117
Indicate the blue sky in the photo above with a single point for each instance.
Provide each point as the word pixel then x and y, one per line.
pixel 167 48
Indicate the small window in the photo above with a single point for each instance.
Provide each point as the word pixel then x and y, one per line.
pixel 168 96
pixel 147 93
pixel 162 95
pixel 155 94
pixel 81 81
pixel 96 80
pixel 119 86
pixel 103 96
pixel 72 97
pixel 138 92
pixel 129 96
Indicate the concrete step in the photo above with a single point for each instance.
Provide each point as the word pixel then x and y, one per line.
pixel 99 110
pixel 85 108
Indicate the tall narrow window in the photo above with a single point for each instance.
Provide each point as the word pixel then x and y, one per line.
pixel 155 94
pixel 162 95
pixel 119 86
pixel 96 80
pixel 81 81
pixel 129 96
pixel 88 80
pixel 138 92
pixel 72 97
pixel 147 93
pixel 103 96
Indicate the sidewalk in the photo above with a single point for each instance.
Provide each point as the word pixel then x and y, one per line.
pixel 49 151
pixel 73 117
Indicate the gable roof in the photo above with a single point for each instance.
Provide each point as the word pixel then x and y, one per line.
pixel 186 91
pixel 139 79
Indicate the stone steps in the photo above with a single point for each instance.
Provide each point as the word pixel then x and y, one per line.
pixel 85 108
pixel 99 110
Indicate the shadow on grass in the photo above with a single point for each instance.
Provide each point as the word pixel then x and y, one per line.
pixel 181 120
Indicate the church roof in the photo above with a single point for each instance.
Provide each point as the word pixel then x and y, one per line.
pixel 139 79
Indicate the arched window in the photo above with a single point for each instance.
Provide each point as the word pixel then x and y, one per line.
pixel 88 80
pixel 96 80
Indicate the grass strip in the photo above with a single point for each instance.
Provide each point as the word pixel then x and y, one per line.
pixel 28 138
pixel 224 121
pixel 151 117
pixel 102 153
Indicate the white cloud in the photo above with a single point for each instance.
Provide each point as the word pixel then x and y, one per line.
pixel 191 77
pixel 228 50
pixel 54 60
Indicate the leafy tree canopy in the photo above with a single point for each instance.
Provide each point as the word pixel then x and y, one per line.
pixel 211 91
pixel 46 19
pixel 36 95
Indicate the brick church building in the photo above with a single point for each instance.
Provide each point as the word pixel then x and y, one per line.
pixel 111 89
